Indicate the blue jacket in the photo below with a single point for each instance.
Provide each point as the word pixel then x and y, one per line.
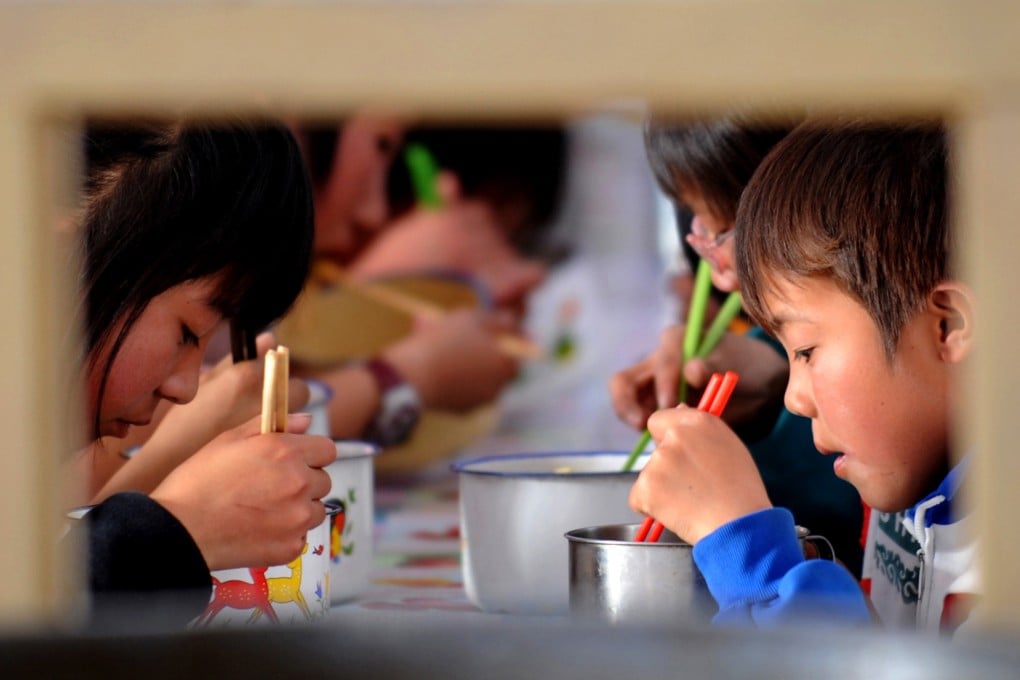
pixel 757 573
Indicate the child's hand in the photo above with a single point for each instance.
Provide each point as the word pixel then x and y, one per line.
pixel 455 362
pixel 653 383
pixel 248 499
pixel 229 394
pixel 699 477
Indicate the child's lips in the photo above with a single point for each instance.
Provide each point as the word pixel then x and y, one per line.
pixel 839 465
pixel 825 450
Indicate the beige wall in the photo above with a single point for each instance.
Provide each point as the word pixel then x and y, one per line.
pixel 473 59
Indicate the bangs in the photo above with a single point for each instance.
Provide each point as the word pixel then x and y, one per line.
pixel 862 204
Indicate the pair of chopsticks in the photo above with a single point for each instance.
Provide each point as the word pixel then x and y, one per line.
pixel 692 348
pixel 274 390
pixel 717 393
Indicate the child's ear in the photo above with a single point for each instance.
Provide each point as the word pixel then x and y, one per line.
pixel 952 303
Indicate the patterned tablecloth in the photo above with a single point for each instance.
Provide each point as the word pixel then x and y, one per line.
pixel 417 571
pixel 560 403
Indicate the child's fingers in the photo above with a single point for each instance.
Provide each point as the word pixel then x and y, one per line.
pixel 697 372
pixel 298 394
pixel 265 342
pixel 667 385
pixel 297 423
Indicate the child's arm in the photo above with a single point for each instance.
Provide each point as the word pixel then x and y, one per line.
pixel 756 571
pixel 454 363
pixel 702 483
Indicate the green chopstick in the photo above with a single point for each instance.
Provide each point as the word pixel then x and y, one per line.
pixel 696 316
pixel 424 173
pixel 722 320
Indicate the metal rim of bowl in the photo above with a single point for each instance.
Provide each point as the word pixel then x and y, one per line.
pixel 325 393
pixel 464 466
pixel 573 537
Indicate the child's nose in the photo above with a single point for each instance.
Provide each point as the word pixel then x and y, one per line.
pixel 373 209
pixel 181 385
pixel 798 398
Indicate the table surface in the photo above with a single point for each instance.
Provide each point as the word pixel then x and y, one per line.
pixel 417 571
pixel 559 403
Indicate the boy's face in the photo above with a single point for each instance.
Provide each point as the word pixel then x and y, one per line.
pixel 885 422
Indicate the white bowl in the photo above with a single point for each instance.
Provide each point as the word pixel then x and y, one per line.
pixel 351 533
pixel 514 511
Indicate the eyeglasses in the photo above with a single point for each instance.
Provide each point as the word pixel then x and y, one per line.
pixel 707 244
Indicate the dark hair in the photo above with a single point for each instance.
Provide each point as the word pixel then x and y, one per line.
pixel 169 203
pixel 715 157
pixel 321 143
pixel 862 203
pixel 520 167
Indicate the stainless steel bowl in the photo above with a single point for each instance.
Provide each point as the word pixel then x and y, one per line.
pixel 616 579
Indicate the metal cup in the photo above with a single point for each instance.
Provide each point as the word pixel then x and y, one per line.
pixel 618 580
pixel 615 579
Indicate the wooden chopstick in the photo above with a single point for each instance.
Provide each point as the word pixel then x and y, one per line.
pixel 327 272
pixel 713 400
pixel 274 390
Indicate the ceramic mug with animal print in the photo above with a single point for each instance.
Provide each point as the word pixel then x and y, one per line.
pixel 295 592
pixel 351 532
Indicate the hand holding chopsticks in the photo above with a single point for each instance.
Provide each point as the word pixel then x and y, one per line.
pixel 693 344
pixel 714 399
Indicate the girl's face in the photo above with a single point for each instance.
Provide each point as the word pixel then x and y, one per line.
pixel 885 423
pixel 352 206
pixel 712 238
pixel 159 359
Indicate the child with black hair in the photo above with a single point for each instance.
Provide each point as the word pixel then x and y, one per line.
pixel 184 226
pixel 703 166
pixel 843 250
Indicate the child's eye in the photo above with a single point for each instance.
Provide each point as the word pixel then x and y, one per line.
pixel 188 337
pixel 803 354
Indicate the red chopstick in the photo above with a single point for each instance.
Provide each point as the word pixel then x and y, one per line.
pixel 714 399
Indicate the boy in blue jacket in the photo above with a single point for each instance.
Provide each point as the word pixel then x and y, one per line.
pixel 843 249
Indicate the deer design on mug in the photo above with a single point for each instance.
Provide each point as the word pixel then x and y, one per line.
pixel 242 595
pixel 284 589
